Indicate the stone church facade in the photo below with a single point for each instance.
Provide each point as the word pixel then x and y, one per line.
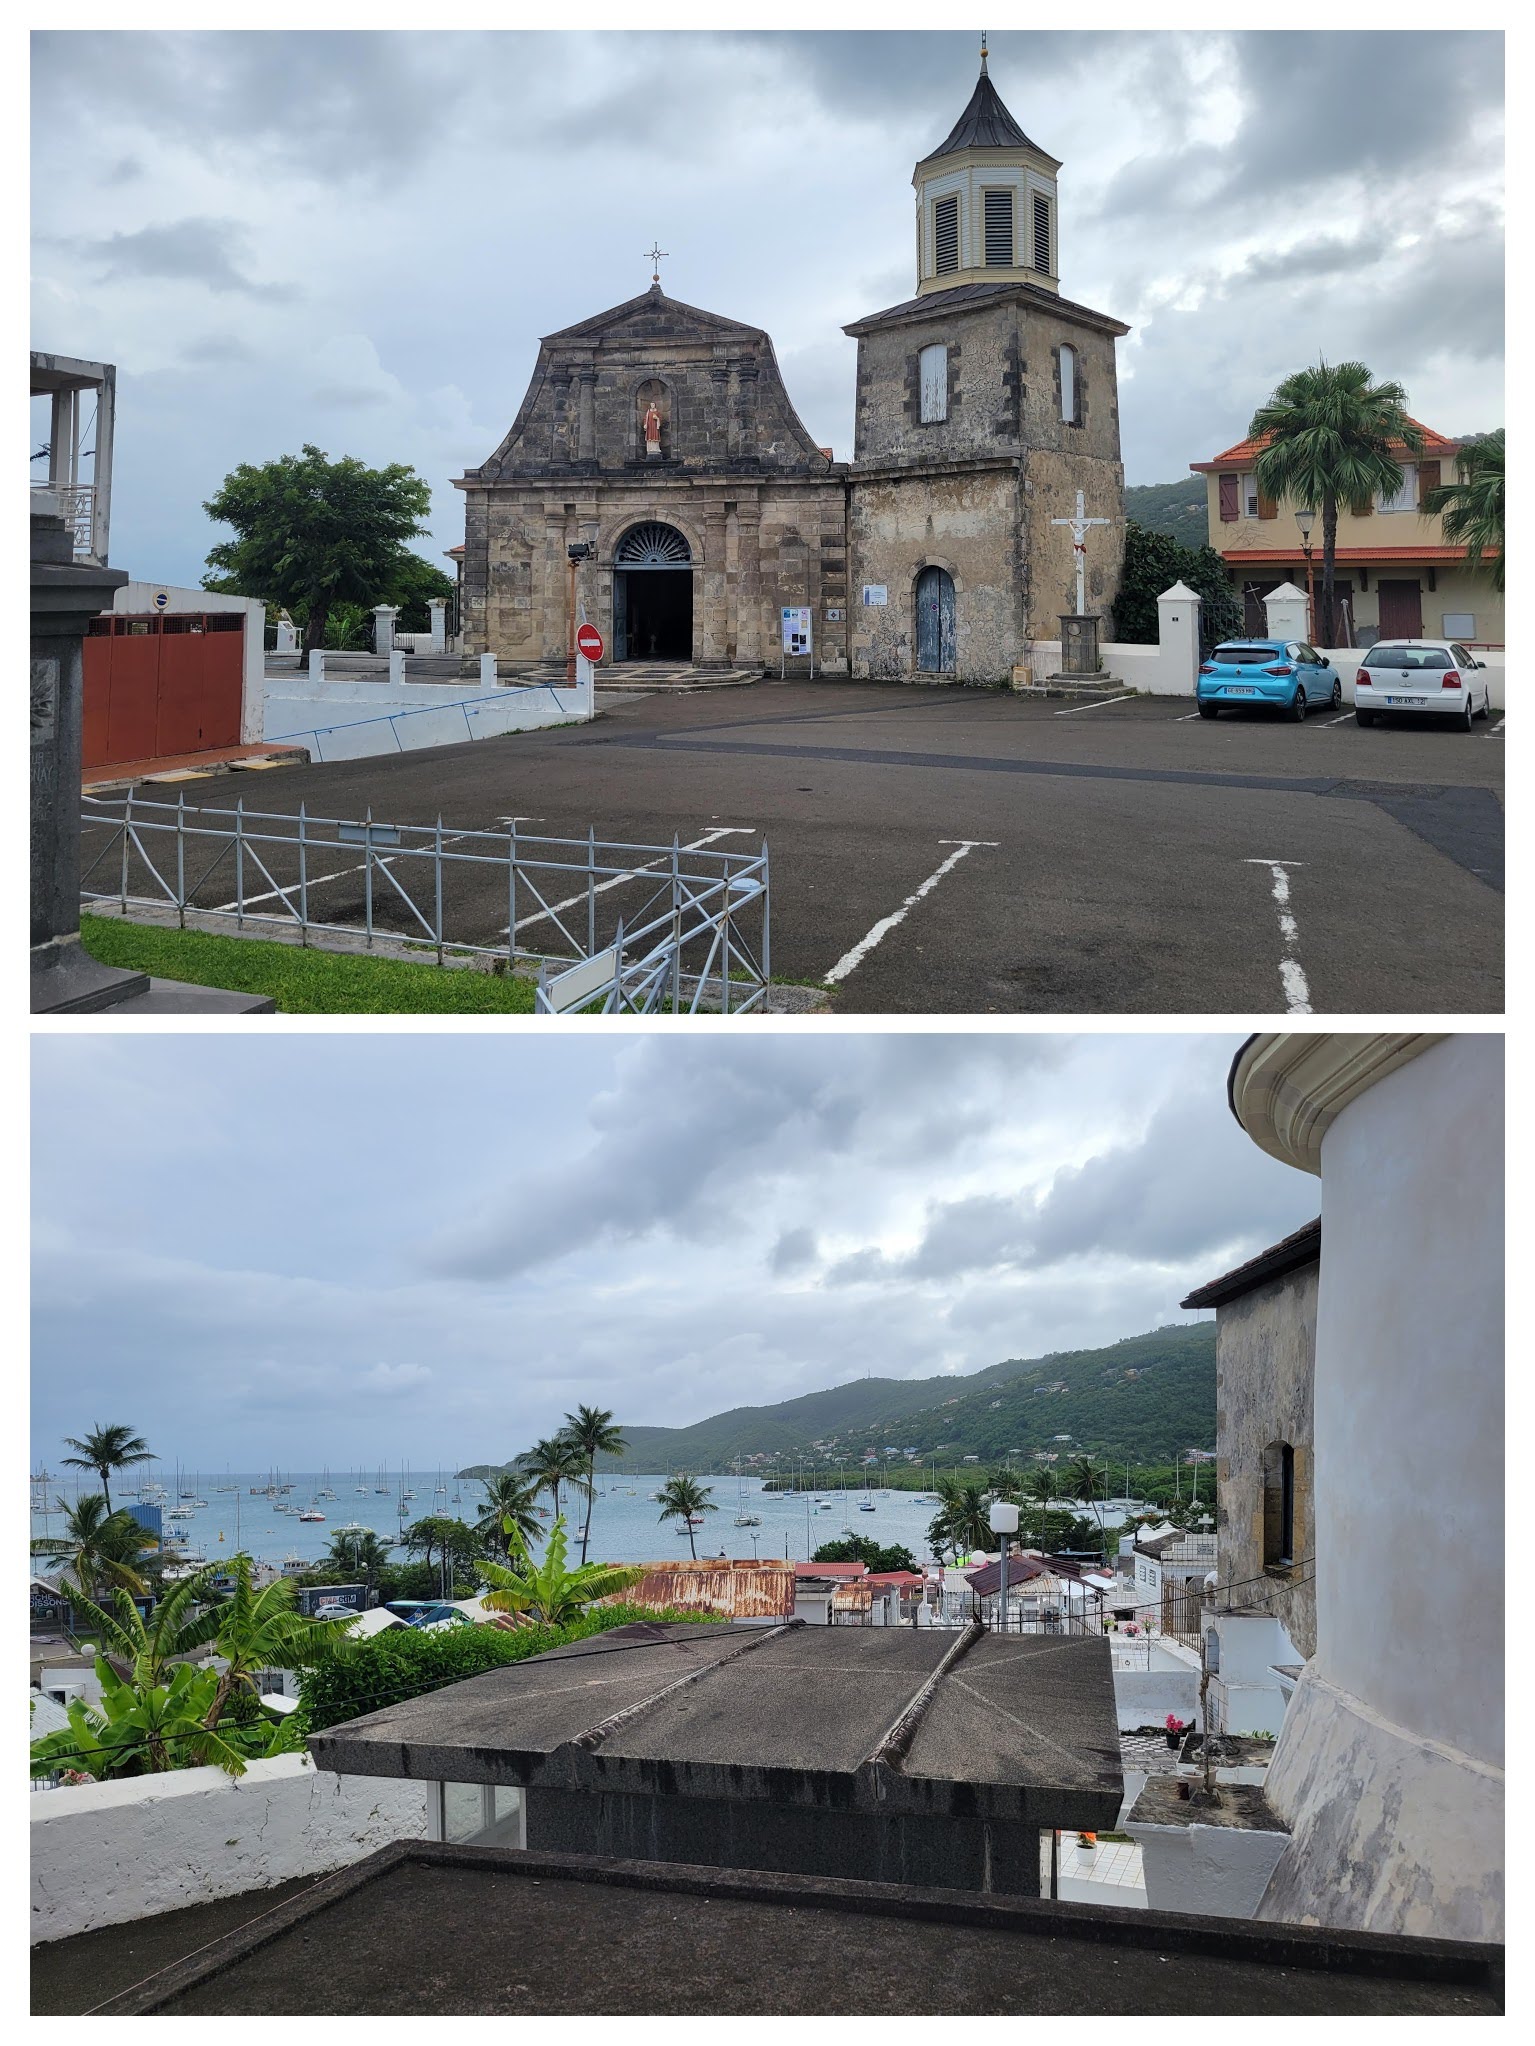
pixel 661 438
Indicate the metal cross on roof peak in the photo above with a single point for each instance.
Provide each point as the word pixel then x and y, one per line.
pixel 655 256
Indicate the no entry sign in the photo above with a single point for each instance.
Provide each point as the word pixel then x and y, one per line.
pixel 589 643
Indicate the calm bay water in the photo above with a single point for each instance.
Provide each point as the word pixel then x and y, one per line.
pixel 626 1523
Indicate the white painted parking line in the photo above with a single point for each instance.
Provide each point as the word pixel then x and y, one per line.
pixel 539 916
pixel 1497 728
pixel 1102 700
pixel 887 924
pixel 1292 976
pixel 1342 720
pixel 1187 718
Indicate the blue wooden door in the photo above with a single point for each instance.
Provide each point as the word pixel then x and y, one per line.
pixel 935 622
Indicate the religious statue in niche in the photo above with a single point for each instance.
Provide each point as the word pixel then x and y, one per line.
pixel 651 425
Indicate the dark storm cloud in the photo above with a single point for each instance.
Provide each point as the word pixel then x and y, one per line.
pixel 795 1251
pixel 196 250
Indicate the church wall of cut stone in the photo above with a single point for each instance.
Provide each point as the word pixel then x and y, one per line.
pixel 983 406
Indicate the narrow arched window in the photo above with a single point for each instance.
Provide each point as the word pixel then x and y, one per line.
pixel 1278 1505
pixel 1069 385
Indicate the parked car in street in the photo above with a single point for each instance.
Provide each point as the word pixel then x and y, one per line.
pixel 1279 674
pixel 1422 678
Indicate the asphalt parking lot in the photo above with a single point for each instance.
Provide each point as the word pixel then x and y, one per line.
pixel 961 851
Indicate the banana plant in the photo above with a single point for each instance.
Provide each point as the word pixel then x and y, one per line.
pixel 145 1729
pixel 546 1590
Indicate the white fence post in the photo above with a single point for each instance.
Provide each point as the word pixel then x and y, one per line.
pixel 396 667
pixel 1178 635
pixel 438 606
pixel 1285 609
pixel 384 616
pixel 317 666
pixel 487 671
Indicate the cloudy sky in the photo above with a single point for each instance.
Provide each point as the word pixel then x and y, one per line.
pixel 357 239
pixel 317 1247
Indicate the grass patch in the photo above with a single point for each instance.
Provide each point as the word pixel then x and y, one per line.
pixel 302 980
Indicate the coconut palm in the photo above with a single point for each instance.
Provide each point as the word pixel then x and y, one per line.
pixel 591 1430
pixel 1042 1487
pixel 551 1463
pixel 108 1449
pixel 1473 507
pixel 546 1591
pixel 685 1499
pixel 1332 436
pixel 366 1554
pixel 507 1498
pixel 963 1518
pixel 96 1546
pixel 1080 1478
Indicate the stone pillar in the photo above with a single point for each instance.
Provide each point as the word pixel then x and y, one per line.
pixel 1178 635
pixel 749 586
pixel 586 442
pixel 733 409
pixel 1079 644
pixel 719 411
pixel 552 608
pixel 748 410
pixel 711 627
pixel 384 616
pixel 65 598
pixel 438 606
pixel 1285 610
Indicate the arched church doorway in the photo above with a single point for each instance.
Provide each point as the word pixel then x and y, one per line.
pixel 653 595
pixel 935 622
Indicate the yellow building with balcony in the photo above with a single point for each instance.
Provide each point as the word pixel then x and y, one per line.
pixel 1396 577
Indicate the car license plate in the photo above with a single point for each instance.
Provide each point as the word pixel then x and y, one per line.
pixel 1408 700
pixel 1240 689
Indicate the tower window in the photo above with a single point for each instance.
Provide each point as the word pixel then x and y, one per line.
pixel 1278 1506
pixel 999 230
pixel 1042 235
pixel 946 234
pixel 1069 385
pixel 933 365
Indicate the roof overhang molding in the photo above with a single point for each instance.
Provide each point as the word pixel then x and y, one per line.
pixel 1287 1088
pixel 985 157
pixel 967 298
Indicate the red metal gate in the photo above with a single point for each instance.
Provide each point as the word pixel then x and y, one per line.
pixel 164 684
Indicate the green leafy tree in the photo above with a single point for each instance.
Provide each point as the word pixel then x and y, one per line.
pixel 181 1623
pixel 1332 437
pixel 685 1500
pixel 591 1431
pixel 507 1497
pixel 859 1549
pixel 258 1630
pixel 96 1546
pixel 412 588
pixel 1153 563
pixel 316 533
pixel 546 1591
pixel 1472 507
pixel 105 1450
pixel 452 1541
pixel 552 1463
pixel 347 629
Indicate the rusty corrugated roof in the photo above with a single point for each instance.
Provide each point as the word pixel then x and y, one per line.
pixel 749 1590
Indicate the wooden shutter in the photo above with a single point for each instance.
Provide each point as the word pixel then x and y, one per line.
pixel 1428 479
pixel 1230 504
pixel 1362 507
pixel 1042 234
pixel 999 230
pixel 1267 509
pixel 946 235
pixel 933 366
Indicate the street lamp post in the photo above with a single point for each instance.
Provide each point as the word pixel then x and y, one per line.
pixel 1305 518
pixel 1004 1522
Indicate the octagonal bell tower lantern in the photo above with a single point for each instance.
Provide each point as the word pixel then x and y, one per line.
pixel 986 202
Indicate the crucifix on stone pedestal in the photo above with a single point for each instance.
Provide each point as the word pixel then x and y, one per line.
pixel 1079 632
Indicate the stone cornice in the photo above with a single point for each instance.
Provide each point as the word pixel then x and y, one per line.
pixel 1287 1087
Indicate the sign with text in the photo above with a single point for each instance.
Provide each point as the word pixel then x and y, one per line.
pixel 796 631
pixel 876 593
pixel 332 1601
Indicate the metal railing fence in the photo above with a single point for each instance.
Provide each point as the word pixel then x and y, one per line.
pixel 651 927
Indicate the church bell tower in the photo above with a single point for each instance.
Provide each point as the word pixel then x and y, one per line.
pixel 986 202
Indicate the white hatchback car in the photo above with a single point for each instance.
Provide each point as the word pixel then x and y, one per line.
pixel 1428 677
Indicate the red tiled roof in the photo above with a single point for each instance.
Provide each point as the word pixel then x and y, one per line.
pixel 1245 450
pixel 831 1569
pixel 1363 556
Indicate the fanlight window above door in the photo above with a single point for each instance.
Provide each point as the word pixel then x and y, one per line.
pixel 653 546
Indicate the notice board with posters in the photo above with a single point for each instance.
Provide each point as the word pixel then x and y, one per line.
pixel 798 643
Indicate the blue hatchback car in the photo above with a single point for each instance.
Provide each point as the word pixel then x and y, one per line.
pixel 1282 674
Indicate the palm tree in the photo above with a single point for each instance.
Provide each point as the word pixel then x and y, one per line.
pixel 1080 1476
pixel 1332 437
pixel 97 1546
pixel 551 1463
pixel 106 1450
pixel 507 1498
pixel 258 1630
pixel 963 1516
pixel 1473 507
pixel 547 1591
pixel 591 1430
pixel 1039 1485
pixel 685 1499
pixel 367 1554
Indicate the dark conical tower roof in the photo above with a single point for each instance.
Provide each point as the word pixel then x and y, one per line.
pixel 985 124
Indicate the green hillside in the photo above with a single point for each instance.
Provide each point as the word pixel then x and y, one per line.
pixel 1144 1398
pixel 1177 509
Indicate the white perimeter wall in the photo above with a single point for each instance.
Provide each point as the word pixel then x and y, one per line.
pixel 1217 1870
pixel 104 1853
pixel 1155 673
pixel 347 719
pixel 137 598
pixel 1144 1697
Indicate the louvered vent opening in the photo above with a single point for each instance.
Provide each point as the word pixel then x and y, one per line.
pixel 999 230
pixel 653 546
pixel 1042 235
pixel 946 235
